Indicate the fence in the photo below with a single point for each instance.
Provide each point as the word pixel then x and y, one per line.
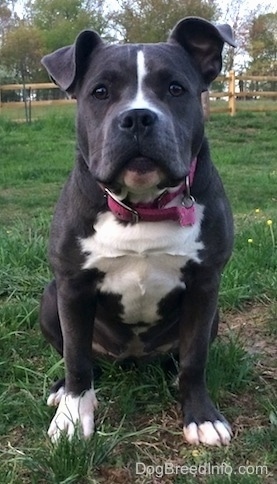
pixel 236 92
pixel 229 89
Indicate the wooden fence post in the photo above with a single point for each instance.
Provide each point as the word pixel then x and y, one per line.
pixel 232 93
pixel 205 99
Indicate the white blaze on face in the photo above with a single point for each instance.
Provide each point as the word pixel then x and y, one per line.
pixel 141 74
pixel 140 101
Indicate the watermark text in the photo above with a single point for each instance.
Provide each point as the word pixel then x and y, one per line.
pixel 224 469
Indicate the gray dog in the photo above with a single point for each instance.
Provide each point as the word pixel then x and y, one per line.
pixel 143 228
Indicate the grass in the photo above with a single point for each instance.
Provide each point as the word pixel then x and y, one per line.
pixel 138 418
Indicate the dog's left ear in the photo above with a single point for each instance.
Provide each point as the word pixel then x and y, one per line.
pixel 67 64
pixel 204 42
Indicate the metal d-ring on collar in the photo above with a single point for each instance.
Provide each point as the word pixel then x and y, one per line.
pixel 188 200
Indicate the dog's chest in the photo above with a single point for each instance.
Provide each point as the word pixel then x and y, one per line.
pixel 141 262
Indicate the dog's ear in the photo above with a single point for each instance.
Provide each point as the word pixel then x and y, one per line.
pixel 204 42
pixel 67 64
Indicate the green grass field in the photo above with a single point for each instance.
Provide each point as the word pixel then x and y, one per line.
pixel 138 419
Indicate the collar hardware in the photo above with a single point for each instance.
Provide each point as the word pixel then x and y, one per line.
pixel 156 211
pixel 121 205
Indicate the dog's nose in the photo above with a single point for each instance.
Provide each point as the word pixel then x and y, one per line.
pixel 137 120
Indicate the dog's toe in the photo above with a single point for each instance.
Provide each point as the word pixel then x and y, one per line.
pixel 208 433
pixel 191 433
pixel 54 398
pixel 224 431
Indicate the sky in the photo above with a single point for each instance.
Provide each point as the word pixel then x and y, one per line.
pixel 246 5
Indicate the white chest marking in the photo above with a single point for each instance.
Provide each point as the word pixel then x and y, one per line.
pixel 141 262
pixel 140 101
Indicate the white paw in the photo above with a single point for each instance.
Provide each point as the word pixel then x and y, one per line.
pixel 74 412
pixel 54 398
pixel 208 433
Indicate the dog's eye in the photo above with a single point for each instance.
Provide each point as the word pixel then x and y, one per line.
pixel 176 89
pixel 101 93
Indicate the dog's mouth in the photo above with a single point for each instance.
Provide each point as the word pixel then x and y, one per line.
pixel 141 165
pixel 141 173
pixel 141 178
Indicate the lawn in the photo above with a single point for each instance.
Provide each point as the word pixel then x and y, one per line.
pixel 138 420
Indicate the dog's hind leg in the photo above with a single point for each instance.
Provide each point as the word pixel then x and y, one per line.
pixel 51 329
pixel 214 329
pixel 49 317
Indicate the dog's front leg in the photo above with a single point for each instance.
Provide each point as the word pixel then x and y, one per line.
pixel 76 307
pixel 202 422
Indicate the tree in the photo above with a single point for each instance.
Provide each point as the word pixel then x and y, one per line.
pixel 8 17
pixel 21 54
pixel 152 20
pixel 5 14
pixel 241 16
pixel 46 26
pixel 262 46
pixel 22 50
pixel 61 20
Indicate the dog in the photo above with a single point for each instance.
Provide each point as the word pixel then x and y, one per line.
pixel 143 228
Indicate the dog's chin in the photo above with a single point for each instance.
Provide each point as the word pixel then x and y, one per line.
pixel 141 179
pixel 141 174
pixel 140 182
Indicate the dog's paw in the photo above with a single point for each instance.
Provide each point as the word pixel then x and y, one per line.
pixel 72 413
pixel 209 433
pixel 55 397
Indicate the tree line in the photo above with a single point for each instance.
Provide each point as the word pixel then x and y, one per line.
pixel 42 26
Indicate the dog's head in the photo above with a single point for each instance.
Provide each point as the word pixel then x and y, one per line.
pixel 140 120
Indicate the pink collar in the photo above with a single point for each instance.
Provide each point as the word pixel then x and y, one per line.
pixel 157 211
